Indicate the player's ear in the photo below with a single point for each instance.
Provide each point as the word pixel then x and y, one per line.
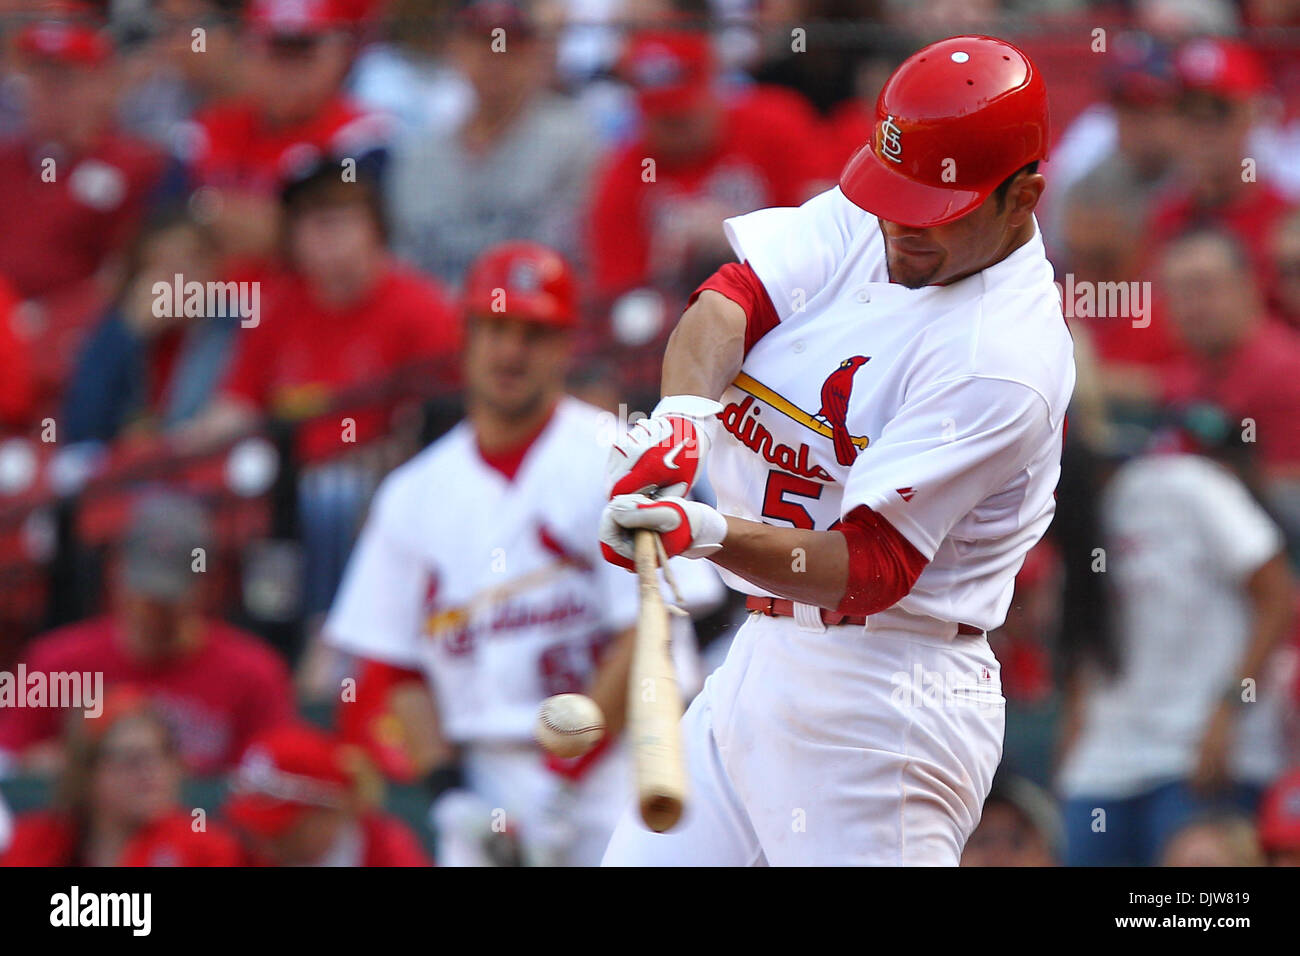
pixel 1023 196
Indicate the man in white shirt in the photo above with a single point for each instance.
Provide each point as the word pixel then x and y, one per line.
pixel 1190 721
pixel 883 381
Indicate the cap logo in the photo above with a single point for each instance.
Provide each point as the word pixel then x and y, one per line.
pixel 891 140
pixel 525 276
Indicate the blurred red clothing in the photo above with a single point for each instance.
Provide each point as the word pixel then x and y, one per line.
pixel 1118 341
pixel 16 390
pixel 385 841
pixel 60 232
pixel 768 153
pixel 848 129
pixel 215 698
pixel 47 838
pixel 1260 380
pixel 234 147
pixel 302 352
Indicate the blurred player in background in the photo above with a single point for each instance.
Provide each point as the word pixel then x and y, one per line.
pixel 215 685
pixel 302 798
pixel 477 568
pixel 1198 573
pixel 119 799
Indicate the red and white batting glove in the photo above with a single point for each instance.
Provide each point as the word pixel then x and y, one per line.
pixel 662 454
pixel 685 527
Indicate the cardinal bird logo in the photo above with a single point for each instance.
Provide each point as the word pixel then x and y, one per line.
pixel 835 407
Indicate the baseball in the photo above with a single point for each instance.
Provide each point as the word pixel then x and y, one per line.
pixel 569 725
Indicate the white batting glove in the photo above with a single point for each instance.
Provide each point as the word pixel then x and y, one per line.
pixel 685 527
pixel 662 454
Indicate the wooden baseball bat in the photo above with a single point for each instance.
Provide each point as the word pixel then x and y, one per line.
pixel 655 701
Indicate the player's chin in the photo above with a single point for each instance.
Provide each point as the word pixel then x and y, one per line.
pixel 915 271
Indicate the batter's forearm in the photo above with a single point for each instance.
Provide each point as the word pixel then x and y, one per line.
pixel 705 350
pixel 811 567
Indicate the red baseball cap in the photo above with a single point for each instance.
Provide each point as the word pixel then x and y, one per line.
pixel 1223 68
pixel 284 773
pixel 1279 815
pixel 294 18
pixel 74 40
pixel 523 280
pixel 670 70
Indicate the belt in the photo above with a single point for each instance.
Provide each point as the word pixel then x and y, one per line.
pixel 780 607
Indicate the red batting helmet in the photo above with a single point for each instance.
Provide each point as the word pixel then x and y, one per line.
pixel 952 122
pixel 524 280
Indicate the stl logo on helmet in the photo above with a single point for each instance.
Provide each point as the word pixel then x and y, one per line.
pixel 891 140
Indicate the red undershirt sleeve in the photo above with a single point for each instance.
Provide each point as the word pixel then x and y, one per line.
pixel 883 565
pixel 739 283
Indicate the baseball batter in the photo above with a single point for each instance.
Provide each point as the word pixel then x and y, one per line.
pixel 478 567
pixel 879 386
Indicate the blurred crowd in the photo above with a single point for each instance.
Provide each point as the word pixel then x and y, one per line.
pixel 225 217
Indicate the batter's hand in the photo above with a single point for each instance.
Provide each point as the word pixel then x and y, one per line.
pixel 688 528
pixel 661 455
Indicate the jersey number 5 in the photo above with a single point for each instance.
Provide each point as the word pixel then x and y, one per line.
pixel 775 505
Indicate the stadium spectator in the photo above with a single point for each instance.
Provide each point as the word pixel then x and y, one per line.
pixel 516 167
pixel 172 72
pixel 1129 138
pixel 294 114
pixel 302 798
pixel 214 685
pixel 1189 722
pixel 1237 356
pixel 1020 826
pixel 406 73
pixel 119 799
pixel 1099 251
pixel 344 313
pixel 1218 182
pixel 345 316
pixel 148 366
pixel 75 182
pixel 1279 821
pixel 659 203
pixel 1225 839
pixel 828 74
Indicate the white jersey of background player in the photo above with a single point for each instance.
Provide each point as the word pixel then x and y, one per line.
pixel 478 566
pixel 883 461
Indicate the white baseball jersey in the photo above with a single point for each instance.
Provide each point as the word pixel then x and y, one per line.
pixel 1182 537
pixel 496 589
pixel 941 408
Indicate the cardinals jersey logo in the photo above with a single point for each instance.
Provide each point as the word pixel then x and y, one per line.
pixel 835 407
pixel 829 422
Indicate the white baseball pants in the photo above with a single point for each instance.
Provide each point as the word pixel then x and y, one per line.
pixel 839 746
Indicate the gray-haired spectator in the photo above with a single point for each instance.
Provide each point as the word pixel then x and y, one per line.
pixel 516 167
